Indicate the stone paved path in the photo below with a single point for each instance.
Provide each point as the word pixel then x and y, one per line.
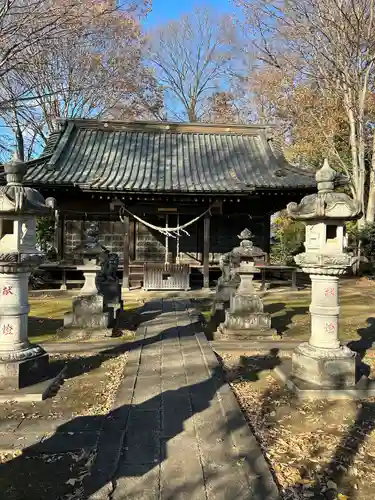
pixel 176 431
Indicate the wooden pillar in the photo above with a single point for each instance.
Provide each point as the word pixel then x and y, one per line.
pixel 132 240
pixel 61 231
pixel 267 234
pixel 125 274
pixel 63 285
pixel 166 256
pixel 61 237
pixel 56 233
pixel 206 251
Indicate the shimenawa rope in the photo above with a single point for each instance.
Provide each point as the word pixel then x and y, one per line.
pixel 171 231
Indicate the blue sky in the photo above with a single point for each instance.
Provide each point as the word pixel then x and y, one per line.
pixel 165 10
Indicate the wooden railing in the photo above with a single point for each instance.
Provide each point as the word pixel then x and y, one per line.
pixel 166 276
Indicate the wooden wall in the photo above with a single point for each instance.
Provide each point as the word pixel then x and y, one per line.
pixel 225 223
pixel 149 245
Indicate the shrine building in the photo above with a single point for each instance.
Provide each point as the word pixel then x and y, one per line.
pixel 208 181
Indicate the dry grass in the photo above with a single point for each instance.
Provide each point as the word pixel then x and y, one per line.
pixel 47 313
pixel 89 387
pixel 46 316
pixel 318 450
pixel 88 392
pixel 290 310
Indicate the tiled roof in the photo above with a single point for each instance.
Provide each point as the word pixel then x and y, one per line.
pixel 148 157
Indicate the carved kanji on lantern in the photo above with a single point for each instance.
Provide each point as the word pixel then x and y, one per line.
pixel 7 329
pixel 7 290
pixel 329 291
pixel 329 327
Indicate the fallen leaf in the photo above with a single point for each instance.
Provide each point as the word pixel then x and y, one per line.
pixel 305 481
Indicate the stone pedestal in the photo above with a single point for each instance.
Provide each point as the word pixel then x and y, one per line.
pixel 19 373
pixel 88 313
pixel 245 317
pixel 22 364
pixel 111 293
pixel 95 309
pixel 326 368
pixel 323 361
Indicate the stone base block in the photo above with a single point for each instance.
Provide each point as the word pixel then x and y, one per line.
pixel 223 333
pixel 334 368
pixel 92 311
pixel 247 321
pixel 99 321
pixel 227 334
pixel 364 388
pixel 42 389
pixel 244 325
pixel 76 333
pixel 16 374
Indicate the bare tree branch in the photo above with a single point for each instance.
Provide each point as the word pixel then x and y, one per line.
pixel 193 58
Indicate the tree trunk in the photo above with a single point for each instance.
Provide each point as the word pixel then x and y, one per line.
pixel 370 211
pixel 192 115
pixel 357 166
pixel 20 145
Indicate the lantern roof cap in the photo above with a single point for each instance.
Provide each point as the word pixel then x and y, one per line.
pixel 17 198
pixel 247 248
pixel 325 177
pixel 326 203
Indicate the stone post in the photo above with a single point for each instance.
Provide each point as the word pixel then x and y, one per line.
pixel 324 311
pixel 322 361
pixel 21 363
pixel 14 306
pixel 90 272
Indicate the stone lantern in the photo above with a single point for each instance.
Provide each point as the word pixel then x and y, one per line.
pixel 91 251
pixel 245 317
pixel 96 308
pixel 323 361
pixel 21 363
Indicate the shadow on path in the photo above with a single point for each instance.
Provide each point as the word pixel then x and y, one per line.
pixel 367 339
pixel 249 367
pixel 142 447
